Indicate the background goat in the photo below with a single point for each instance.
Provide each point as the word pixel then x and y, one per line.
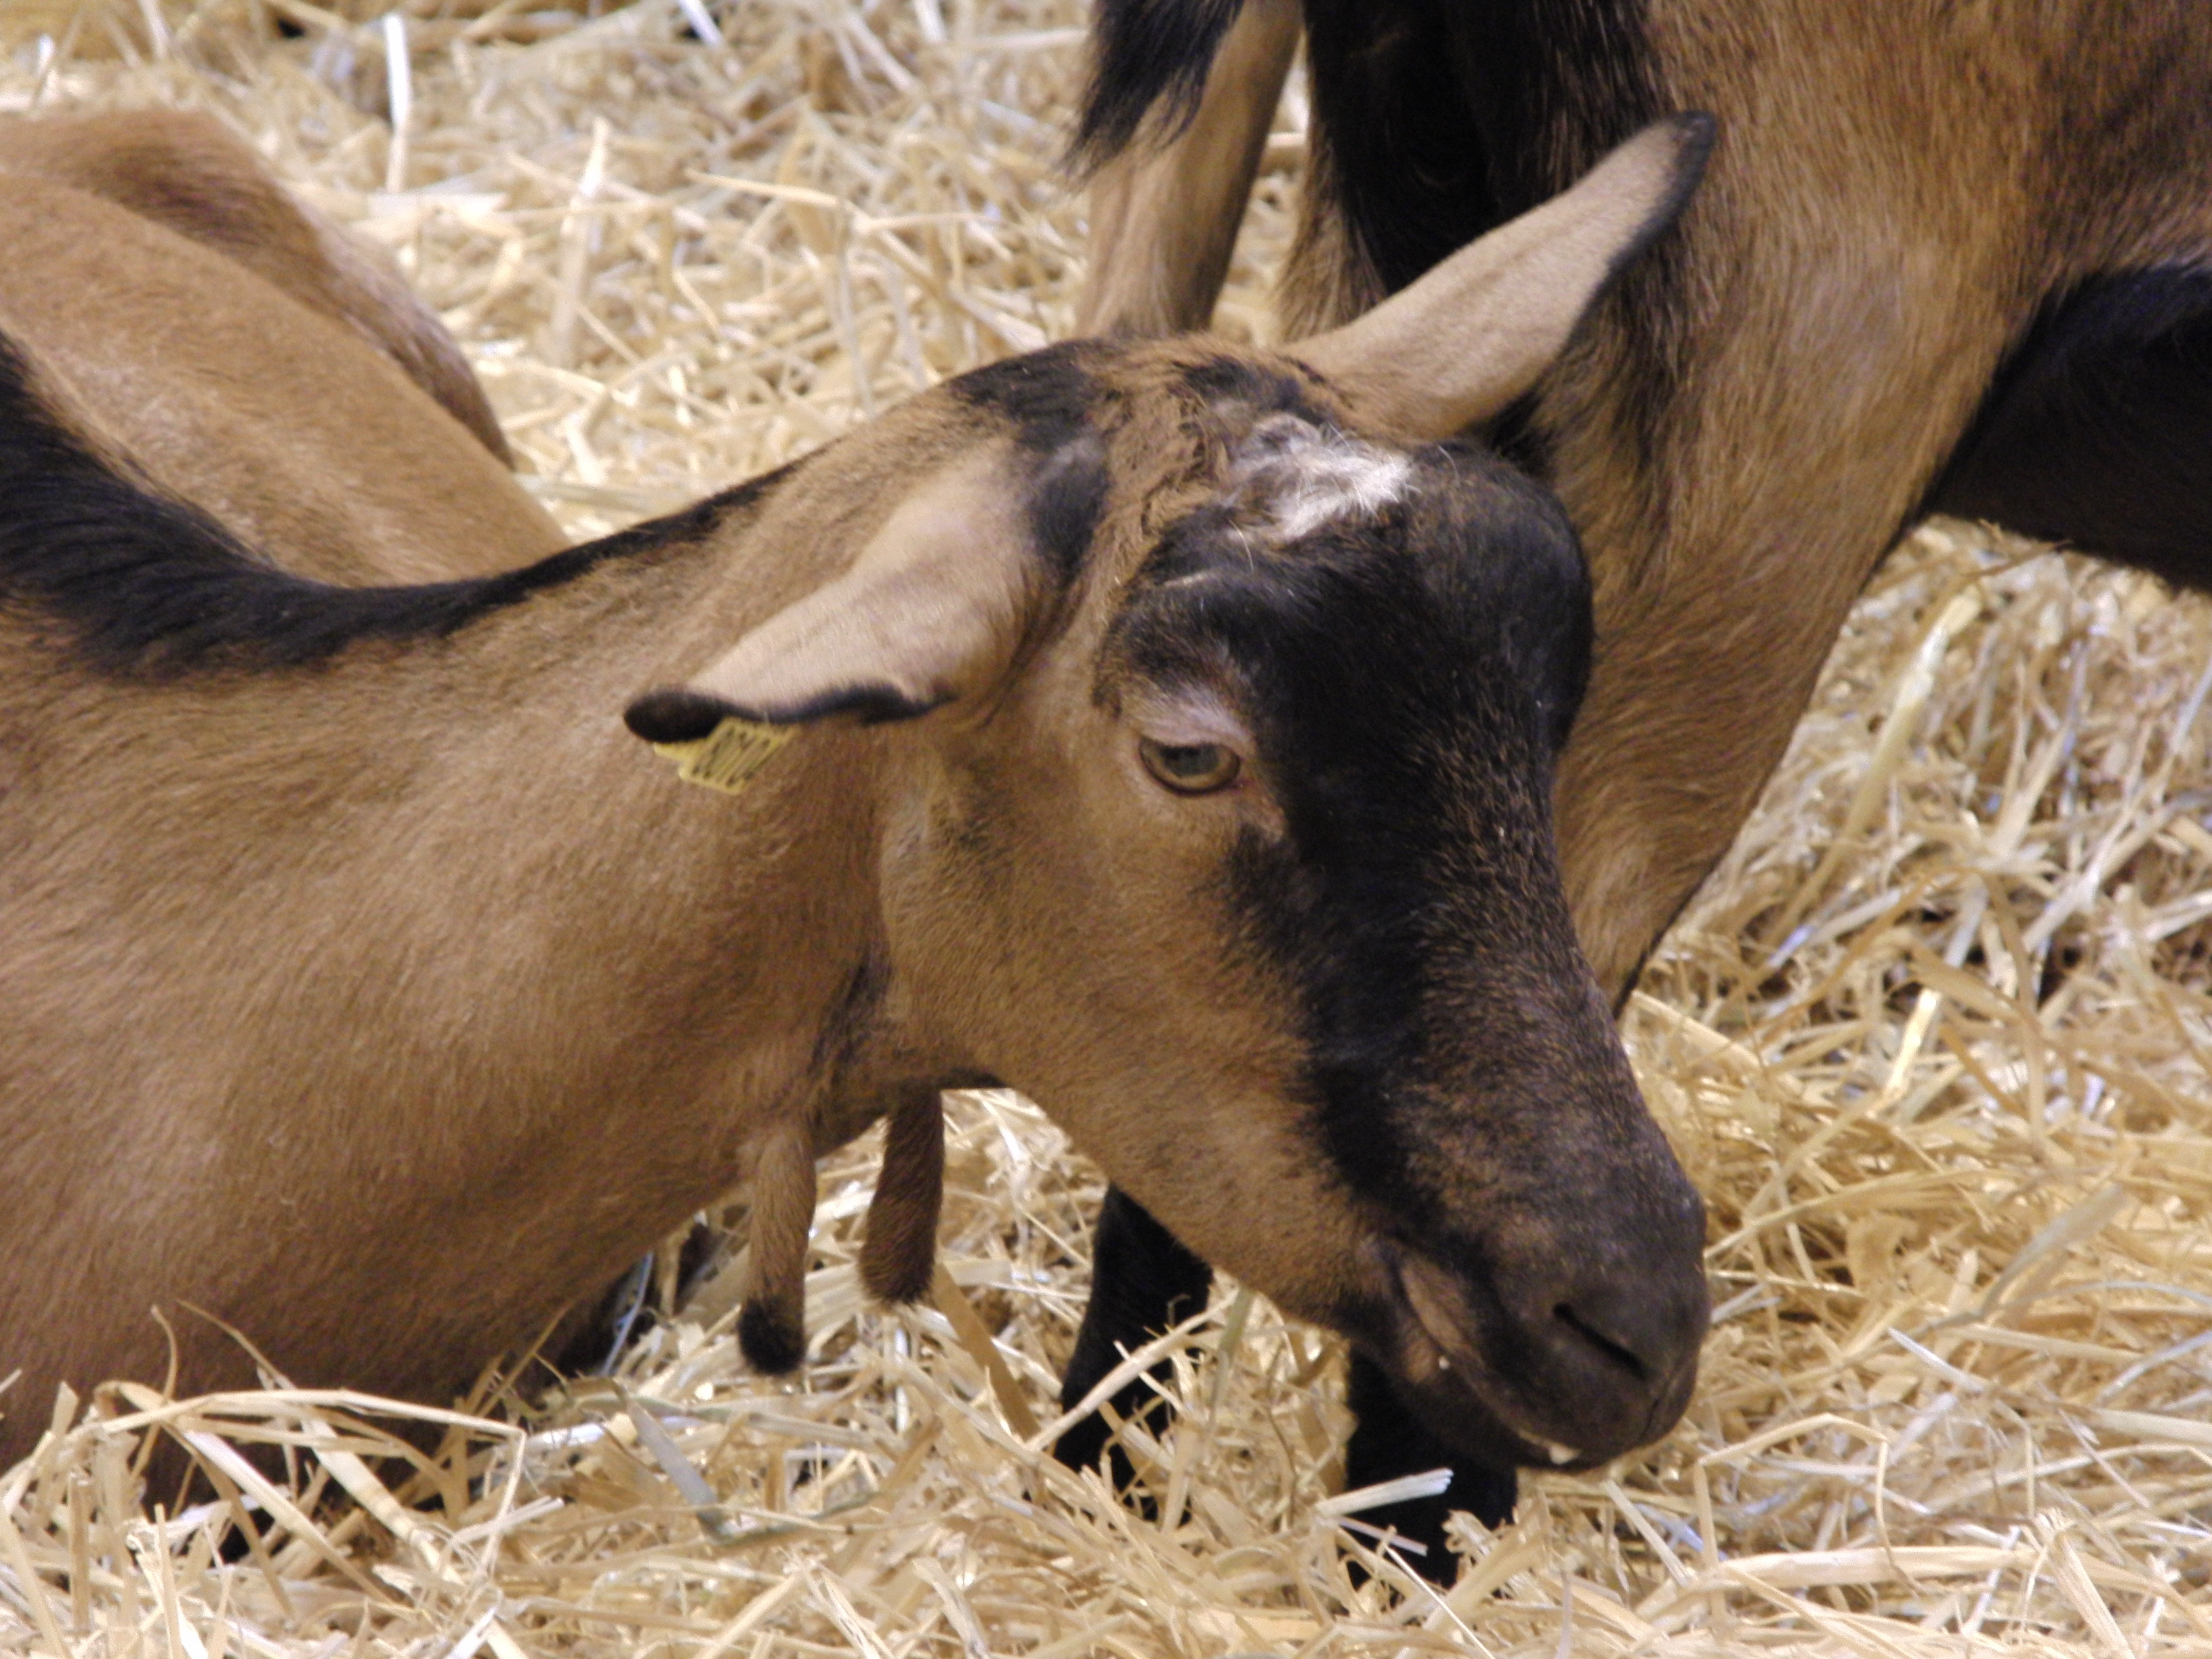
pixel 209 329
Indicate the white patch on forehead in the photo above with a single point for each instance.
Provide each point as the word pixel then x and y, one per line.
pixel 1294 477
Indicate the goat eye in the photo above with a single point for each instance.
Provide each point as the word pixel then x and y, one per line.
pixel 1190 769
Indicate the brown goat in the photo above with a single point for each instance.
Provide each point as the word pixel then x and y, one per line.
pixel 370 989
pixel 209 329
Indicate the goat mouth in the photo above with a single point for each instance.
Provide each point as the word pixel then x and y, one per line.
pixel 1448 1383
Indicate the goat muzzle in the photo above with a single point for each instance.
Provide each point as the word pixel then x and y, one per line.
pixel 1569 1372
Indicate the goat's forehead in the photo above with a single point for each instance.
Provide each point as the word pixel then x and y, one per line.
pixel 1221 457
pixel 1277 458
pixel 1145 423
pixel 1325 571
pixel 1290 477
pixel 1210 393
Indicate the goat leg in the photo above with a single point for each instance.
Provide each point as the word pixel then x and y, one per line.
pixel 1142 1282
pixel 772 1329
pixel 899 1254
pixel 1388 1441
pixel 1164 216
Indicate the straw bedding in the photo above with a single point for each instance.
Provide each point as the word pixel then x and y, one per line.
pixel 1934 1042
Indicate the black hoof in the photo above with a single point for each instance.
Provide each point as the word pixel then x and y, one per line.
pixel 771 1339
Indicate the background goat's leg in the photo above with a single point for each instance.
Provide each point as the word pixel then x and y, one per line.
pixel 1390 1441
pixel 1142 1282
pixel 1163 218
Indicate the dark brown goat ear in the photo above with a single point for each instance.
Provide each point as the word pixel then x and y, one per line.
pixel 931 610
pixel 1473 334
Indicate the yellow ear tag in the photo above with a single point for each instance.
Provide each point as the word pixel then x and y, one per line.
pixel 728 758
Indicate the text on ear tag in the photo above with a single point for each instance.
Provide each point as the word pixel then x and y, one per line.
pixel 726 757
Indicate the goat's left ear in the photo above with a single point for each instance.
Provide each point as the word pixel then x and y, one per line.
pixel 931 610
pixel 1464 341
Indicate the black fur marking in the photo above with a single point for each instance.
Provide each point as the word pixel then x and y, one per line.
pixel 1052 397
pixel 772 1343
pixel 674 715
pixel 146 587
pixel 873 704
pixel 1395 134
pixel 2097 430
pixel 1049 394
pixel 678 715
pixel 1408 680
pixel 1443 118
pixel 1067 497
pixel 1257 388
pixel 1144 52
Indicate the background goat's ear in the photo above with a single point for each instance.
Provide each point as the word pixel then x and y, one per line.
pixel 930 612
pixel 1473 334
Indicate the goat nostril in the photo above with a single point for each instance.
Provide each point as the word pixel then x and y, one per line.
pixel 1619 1354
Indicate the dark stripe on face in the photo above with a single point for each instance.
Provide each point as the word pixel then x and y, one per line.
pixel 1053 400
pixel 148 586
pixel 1065 500
pixel 1410 683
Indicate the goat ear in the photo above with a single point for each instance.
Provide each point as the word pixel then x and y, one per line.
pixel 930 612
pixel 1473 334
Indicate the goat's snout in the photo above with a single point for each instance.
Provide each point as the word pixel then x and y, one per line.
pixel 1617 1351
pixel 1627 1327
pixel 1552 1358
